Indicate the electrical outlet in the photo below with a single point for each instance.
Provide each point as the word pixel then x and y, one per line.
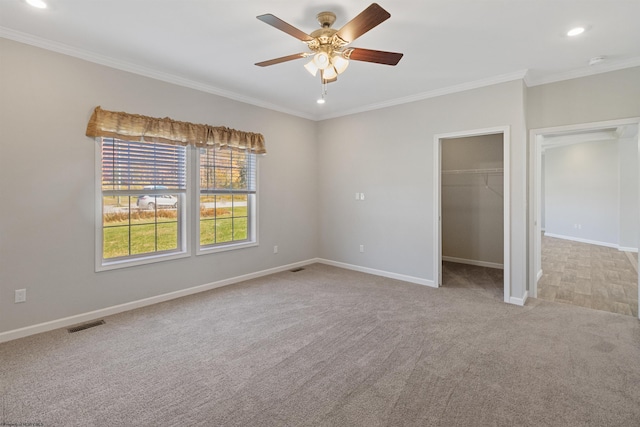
pixel 21 295
pixel 275 249
pixel 361 248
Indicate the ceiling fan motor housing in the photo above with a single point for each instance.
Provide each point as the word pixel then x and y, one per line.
pixel 326 19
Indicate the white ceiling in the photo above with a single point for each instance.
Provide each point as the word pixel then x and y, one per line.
pixel 448 45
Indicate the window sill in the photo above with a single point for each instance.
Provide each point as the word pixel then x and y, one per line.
pixel 225 248
pixel 116 265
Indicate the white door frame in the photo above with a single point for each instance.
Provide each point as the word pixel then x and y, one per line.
pixel 535 175
pixel 437 212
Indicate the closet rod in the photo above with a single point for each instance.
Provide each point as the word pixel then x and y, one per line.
pixel 472 171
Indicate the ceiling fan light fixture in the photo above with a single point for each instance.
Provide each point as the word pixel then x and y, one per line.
pixel 321 60
pixel 311 68
pixel 329 73
pixel 340 63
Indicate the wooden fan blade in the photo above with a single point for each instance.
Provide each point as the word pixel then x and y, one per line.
pixel 370 17
pixel 377 56
pixel 283 26
pixel 282 59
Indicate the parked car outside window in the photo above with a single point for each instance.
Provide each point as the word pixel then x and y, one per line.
pixel 160 201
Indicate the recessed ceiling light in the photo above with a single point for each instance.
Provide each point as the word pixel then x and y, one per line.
pixel 320 101
pixel 575 31
pixel 40 4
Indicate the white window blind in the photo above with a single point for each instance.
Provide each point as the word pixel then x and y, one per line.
pixel 129 165
pixel 227 171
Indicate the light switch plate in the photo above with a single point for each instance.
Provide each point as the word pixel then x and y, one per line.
pixel 21 295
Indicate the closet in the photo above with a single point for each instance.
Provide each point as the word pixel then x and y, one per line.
pixel 472 202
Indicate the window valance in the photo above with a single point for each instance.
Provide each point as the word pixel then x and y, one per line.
pixel 112 124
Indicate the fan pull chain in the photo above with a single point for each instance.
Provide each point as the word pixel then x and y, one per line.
pixel 323 93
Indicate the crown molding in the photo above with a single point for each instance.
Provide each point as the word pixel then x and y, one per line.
pixel 140 70
pixel 524 75
pixel 65 49
pixel 605 67
pixel 503 78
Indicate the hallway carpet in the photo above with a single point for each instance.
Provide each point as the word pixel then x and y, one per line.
pixel 588 275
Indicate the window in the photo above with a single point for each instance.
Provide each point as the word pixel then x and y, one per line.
pixel 162 182
pixel 143 195
pixel 227 198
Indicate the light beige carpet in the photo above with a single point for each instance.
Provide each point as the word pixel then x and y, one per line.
pixel 331 347
pixel 472 277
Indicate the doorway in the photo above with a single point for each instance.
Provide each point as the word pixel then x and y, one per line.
pixel 463 173
pixel 591 208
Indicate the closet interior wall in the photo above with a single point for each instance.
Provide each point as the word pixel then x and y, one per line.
pixel 472 200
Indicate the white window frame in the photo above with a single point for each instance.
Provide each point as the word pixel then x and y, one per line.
pixel 252 214
pixel 184 233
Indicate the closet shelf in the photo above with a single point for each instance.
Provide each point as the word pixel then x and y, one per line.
pixel 472 171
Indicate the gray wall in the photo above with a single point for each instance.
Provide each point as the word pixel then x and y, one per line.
pixel 629 194
pixel 595 185
pixel 606 96
pixel 47 186
pixel 388 155
pixel 473 204
pixel 581 189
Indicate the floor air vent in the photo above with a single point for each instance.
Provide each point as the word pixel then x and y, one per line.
pixel 85 326
pixel 295 270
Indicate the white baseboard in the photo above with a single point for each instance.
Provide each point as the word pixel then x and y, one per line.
pixel 625 249
pixel 519 301
pixel 578 239
pixel 382 273
pixel 592 242
pixel 473 262
pixel 405 278
pixel 108 311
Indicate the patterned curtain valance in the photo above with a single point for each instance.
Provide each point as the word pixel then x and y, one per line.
pixel 127 126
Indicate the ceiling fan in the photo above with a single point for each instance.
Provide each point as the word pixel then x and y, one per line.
pixel 328 46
